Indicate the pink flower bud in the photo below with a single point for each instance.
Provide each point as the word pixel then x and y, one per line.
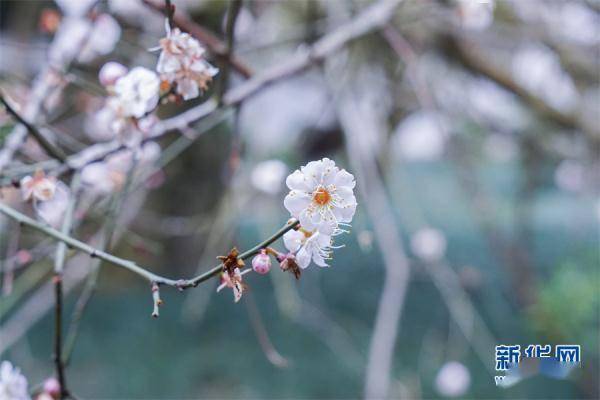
pixel 52 387
pixel 110 72
pixel 261 263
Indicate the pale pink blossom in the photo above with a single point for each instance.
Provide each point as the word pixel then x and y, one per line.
pixel 39 187
pixel 52 211
pixel 181 62
pixel 137 92
pixel 261 263
pixel 234 283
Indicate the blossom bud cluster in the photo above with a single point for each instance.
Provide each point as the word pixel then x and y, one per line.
pixel 181 63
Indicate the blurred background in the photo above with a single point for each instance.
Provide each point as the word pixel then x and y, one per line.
pixel 472 129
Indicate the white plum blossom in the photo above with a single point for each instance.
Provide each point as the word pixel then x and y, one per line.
pixel 127 111
pixel 111 72
pixel 181 62
pixel 453 379
pixel 321 196
pixel 39 187
pixel 13 385
pixel 308 246
pixel 53 210
pixel 102 39
pixel 137 92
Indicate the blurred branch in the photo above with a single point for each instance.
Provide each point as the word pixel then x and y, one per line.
pixel 368 20
pixel 262 335
pixel 42 87
pixel 50 148
pixel 59 261
pixel 214 44
pixel 475 61
pixel 371 18
pixel 232 13
pixel 355 122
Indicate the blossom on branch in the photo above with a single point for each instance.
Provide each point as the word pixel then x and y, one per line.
pixel 39 187
pixel 126 112
pixel 308 246
pixel 137 92
pixel 233 281
pixel 321 196
pixel 13 384
pixel 182 63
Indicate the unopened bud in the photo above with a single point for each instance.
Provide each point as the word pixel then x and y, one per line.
pixel 261 263
pixel 52 387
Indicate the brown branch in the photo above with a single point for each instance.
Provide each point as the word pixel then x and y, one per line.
pixel 209 39
pixel 50 148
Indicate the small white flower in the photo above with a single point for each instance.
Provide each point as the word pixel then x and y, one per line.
pixel 39 187
pixel 13 385
pixel 102 40
pixel 181 62
pixel 453 379
pixel 321 196
pixel 52 211
pixel 111 72
pixel 308 246
pixel 137 92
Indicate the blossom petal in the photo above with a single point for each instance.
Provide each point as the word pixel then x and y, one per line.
pixel 293 240
pixel 303 258
pixel 297 181
pixel 344 178
pixel 295 202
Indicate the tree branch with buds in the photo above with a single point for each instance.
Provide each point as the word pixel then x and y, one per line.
pixel 155 279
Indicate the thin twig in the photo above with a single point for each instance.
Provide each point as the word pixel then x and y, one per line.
pixel 59 262
pixel 232 13
pixel 131 265
pixel 373 17
pixel 50 148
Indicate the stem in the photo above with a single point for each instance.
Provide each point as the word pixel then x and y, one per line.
pixel 51 149
pixel 130 265
pixel 58 274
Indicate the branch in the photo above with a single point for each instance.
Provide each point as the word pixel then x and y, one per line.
pixel 214 44
pixel 476 62
pixel 372 18
pixel 130 265
pixel 59 262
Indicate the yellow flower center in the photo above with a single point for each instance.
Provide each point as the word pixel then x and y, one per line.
pixel 321 197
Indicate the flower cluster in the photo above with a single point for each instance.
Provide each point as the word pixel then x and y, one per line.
pixel 133 95
pixel 321 201
pixel 13 384
pixel 181 64
pixel 322 198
